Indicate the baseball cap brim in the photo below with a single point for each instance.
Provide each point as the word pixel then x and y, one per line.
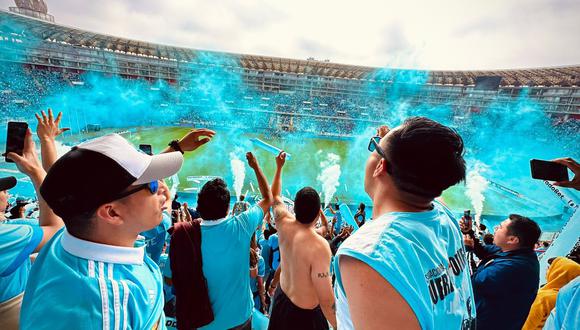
pixel 161 167
pixel 7 183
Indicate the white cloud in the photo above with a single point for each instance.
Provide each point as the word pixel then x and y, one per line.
pixel 451 34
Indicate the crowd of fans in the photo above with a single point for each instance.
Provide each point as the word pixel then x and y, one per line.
pixel 116 250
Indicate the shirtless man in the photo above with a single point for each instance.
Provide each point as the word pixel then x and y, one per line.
pixel 304 299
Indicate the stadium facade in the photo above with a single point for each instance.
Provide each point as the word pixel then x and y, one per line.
pixel 327 90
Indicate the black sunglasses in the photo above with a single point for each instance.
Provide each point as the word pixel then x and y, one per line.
pixel 153 186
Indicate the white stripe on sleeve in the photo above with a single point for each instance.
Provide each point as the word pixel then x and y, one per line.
pixel 104 296
pixel 91 268
pixel 116 303
pixel 125 301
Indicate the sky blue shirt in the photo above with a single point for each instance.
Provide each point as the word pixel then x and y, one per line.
pixel 422 256
pixel 265 252
pixel 17 242
pixel 274 251
pixel 338 223
pixel 225 249
pixel 261 273
pixel 566 314
pixel 155 238
pixel 77 284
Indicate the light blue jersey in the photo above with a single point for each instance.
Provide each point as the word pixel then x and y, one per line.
pixel 155 238
pixel 77 284
pixel 274 251
pixel 17 242
pixel 566 314
pixel 261 273
pixel 422 256
pixel 254 282
pixel 225 249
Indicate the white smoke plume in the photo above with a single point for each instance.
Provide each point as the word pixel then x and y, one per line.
pixel 329 176
pixel 476 186
pixel 239 172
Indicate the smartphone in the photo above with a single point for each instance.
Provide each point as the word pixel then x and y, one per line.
pixel 146 148
pixel 467 216
pixel 546 170
pixel 16 133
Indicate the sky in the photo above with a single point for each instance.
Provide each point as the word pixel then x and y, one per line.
pixel 429 34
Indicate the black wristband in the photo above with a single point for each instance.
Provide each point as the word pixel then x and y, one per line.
pixel 175 145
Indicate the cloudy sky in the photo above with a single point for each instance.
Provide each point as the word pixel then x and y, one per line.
pixel 429 34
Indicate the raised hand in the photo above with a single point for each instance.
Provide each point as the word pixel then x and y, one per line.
pixel 195 139
pixel 48 126
pixel 28 163
pixel 281 159
pixel 252 161
pixel 575 168
pixel 382 131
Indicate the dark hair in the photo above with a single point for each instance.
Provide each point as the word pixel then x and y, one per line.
pixel 213 200
pixel 488 239
pixel 80 225
pixel 482 226
pixel 242 197
pixel 306 205
pixel 526 229
pixel 15 211
pixel 546 244
pixel 424 157
pixel 361 206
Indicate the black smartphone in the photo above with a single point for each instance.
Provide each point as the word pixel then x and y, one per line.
pixel 546 170
pixel 146 148
pixel 15 135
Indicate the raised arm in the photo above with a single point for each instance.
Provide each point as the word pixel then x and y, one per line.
pixel 267 199
pixel 281 213
pixel 322 281
pixel 29 164
pixel 323 230
pixel 192 140
pixel 277 183
pixel 47 131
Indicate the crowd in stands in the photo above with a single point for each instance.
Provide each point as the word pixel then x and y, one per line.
pixel 117 251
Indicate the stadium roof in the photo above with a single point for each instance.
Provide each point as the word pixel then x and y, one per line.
pixel 556 76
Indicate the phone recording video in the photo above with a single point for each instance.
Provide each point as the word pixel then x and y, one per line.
pixel 146 148
pixel 547 170
pixel 16 133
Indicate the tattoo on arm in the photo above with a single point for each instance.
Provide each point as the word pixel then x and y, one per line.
pixel 333 307
pixel 323 275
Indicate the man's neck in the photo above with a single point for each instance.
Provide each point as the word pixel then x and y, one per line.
pixel 382 205
pixel 114 239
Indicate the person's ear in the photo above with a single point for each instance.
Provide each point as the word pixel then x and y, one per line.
pixel 514 240
pixel 109 213
pixel 380 168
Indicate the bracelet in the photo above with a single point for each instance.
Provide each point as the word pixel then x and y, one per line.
pixel 175 145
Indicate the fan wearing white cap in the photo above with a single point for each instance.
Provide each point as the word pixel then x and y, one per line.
pixel 19 241
pixel 91 274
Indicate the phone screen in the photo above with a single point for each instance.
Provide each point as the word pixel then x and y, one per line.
pixel 546 170
pixel 146 148
pixel 15 137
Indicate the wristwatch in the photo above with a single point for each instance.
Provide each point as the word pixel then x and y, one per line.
pixel 175 145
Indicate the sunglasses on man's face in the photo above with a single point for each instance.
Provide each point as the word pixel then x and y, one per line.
pixel 374 145
pixel 153 187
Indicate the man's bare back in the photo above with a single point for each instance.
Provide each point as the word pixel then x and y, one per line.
pixel 305 281
pixel 302 252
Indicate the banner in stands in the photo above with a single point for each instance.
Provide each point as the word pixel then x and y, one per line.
pixel 568 236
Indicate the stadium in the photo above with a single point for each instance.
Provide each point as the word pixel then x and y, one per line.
pixel 322 113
